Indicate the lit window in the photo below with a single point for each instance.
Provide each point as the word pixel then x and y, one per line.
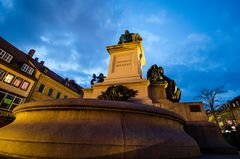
pixel 2 73
pixel 41 88
pixel 24 67
pixel 8 78
pixel 2 53
pixel 16 102
pixel 7 57
pixel 50 91
pixel 17 81
pixel 7 101
pixel 58 95
pixel 25 85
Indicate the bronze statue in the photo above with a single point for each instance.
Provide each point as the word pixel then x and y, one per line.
pixel 129 37
pixel 156 76
pixel 118 92
pixel 97 79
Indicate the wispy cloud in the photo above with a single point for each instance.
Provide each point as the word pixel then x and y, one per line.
pixel 196 48
pixel 7 4
pixel 158 18
pixel 58 39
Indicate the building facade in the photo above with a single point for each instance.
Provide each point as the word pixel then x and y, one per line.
pixel 228 113
pixel 17 76
pixel 24 79
pixel 50 85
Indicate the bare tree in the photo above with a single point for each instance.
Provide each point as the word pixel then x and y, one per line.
pixel 210 97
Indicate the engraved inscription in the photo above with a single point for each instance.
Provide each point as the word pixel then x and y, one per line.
pixel 123 63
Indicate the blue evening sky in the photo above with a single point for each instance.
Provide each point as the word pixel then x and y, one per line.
pixel 196 41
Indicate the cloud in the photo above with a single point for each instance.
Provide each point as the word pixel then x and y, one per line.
pixel 45 39
pixel 58 39
pixel 71 36
pixel 149 37
pixel 7 4
pixel 197 38
pixel 83 81
pixel 158 18
pixel 191 49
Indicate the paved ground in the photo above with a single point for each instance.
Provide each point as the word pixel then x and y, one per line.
pixel 204 156
pixel 214 156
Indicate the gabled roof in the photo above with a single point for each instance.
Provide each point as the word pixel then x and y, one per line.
pixel 19 57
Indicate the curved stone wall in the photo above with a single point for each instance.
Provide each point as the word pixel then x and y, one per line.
pixel 89 128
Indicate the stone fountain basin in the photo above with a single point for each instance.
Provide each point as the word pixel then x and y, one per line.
pixel 89 128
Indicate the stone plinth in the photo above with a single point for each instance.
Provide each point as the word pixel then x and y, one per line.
pixel 139 85
pixel 190 111
pixel 87 128
pixel 126 61
pixel 157 94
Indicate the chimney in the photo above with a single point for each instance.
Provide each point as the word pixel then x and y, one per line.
pixel 36 59
pixel 72 81
pixel 42 62
pixel 31 53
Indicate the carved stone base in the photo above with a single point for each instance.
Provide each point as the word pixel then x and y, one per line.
pixel 88 128
pixel 157 93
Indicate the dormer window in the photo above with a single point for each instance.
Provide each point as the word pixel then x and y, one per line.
pixel 25 68
pixel 5 56
pixel 2 53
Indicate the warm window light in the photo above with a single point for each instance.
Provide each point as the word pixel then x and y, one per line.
pixel 17 82
pixel 25 85
pixel 9 78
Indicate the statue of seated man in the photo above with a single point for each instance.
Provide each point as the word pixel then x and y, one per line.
pixel 129 37
pixel 156 77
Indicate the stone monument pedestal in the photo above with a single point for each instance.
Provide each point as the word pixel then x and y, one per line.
pixel 89 128
pixel 157 94
pixel 139 85
pixel 126 61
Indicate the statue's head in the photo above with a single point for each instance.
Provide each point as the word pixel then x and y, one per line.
pixel 161 70
pixel 154 67
pixel 101 74
pixel 126 32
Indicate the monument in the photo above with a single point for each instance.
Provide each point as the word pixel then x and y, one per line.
pixel 126 62
pixel 91 128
